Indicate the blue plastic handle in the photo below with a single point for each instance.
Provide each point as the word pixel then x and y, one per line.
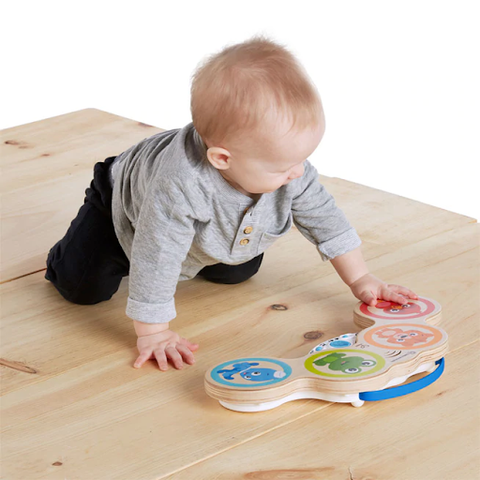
pixel 407 388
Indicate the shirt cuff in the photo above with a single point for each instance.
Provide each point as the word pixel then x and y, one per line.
pixel 151 312
pixel 339 245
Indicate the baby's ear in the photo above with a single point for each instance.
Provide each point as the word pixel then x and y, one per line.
pixel 219 158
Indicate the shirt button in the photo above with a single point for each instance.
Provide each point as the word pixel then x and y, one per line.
pixel 248 230
pixel 244 241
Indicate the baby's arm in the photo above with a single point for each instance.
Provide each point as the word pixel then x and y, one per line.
pixel 318 218
pixel 324 224
pixel 163 236
pixel 354 272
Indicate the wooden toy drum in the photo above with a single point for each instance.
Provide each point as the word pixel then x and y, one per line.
pixel 397 343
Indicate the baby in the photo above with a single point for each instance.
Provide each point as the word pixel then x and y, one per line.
pixel 208 199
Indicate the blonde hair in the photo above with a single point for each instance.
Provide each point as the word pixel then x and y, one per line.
pixel 232 91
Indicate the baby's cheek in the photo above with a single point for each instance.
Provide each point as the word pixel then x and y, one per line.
pixel 276 185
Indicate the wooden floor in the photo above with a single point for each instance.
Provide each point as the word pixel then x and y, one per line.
pixel 73 406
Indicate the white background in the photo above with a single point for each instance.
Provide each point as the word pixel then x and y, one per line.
pixel 399 80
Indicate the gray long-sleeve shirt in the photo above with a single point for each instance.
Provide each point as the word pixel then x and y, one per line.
pixel 174 214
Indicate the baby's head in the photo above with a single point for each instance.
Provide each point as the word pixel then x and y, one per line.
pixel 258 113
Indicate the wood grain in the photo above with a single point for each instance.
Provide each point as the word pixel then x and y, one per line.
pixel 46 167
pixel 419 437
pixel 73 406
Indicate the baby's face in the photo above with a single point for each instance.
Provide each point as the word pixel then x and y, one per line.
pixel 270 161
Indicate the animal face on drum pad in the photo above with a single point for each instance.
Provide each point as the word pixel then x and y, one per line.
pixel 392 307
pixel 340 362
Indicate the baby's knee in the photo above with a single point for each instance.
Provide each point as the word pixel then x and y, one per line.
pixel 76 282
pixel 86 297
pixel 231 274
pixel 79 295
pixel 239 276
pixel 79 292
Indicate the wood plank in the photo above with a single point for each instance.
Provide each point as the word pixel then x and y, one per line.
pixel 46 167
pixel 431 434
pixel 87 408
pixel 104 419
pixel 73 405
pixel 59 147
pixel 48 164
pixel 386 221
pixel 316 301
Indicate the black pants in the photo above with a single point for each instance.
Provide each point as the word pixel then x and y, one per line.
pixel 87 265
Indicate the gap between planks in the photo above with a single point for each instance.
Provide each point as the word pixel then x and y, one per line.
pixel 22 276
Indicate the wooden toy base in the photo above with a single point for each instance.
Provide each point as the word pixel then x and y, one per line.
pixel 353 398
pixel 396 344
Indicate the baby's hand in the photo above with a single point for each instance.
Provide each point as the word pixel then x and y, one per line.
pixel 162 345
pixel 368 288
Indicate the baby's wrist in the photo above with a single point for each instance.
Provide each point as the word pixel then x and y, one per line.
pixel 356 278
pixel 143 329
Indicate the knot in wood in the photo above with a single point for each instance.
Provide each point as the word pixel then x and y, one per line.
pixel 314 335
pixel 277 306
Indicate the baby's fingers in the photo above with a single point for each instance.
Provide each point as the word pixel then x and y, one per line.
pixel 142 358
pixel 186 354
pixel 404 291
pixel 368 297
pixel 190 345
pixel 391 296
pixel 174 356
pixel 161 357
